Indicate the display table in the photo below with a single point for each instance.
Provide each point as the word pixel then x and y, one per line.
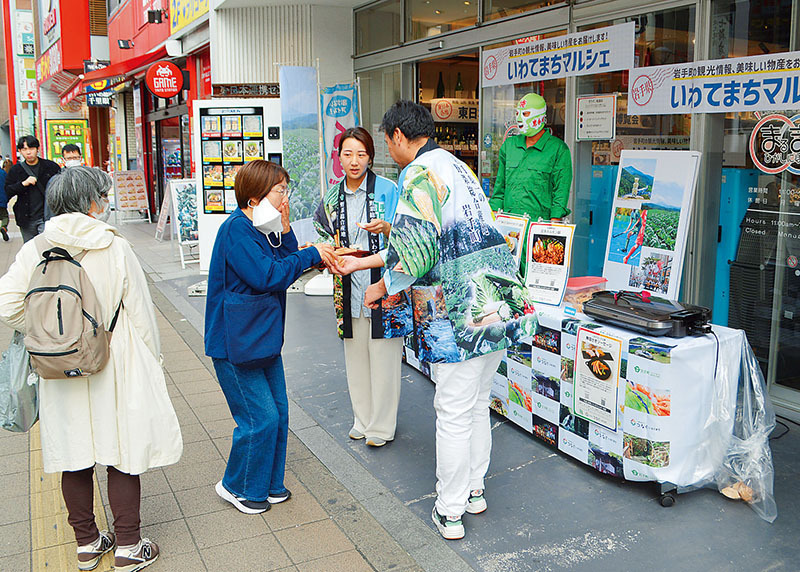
pixel 676 399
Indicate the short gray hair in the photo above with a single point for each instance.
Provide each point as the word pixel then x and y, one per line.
pixel 75 189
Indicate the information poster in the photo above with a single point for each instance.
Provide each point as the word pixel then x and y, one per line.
pixel 514 229
pixel 130 190
pixel 649 221
pixel 62 132
pixel 597 118
pixel 230 137
pixel 184 208
pixel 597 365
pixel 549 253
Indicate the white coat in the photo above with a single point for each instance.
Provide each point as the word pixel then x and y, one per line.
pixel 121 416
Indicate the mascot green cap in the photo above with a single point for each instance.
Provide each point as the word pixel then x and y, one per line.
pixel 531 114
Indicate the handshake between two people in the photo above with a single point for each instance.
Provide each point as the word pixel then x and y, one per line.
pixel 344 261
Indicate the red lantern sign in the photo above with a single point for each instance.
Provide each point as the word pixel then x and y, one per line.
pixel 164 79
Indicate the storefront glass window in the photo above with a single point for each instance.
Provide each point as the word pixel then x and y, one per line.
pixel 378 26
pixel 661 38
pixel 495 9
pixel 498 117
pixel 426 18
pixel 380 88
pixel 757 281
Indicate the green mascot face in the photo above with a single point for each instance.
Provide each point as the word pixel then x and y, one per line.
pixel 531 114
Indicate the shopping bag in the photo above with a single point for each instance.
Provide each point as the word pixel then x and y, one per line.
pixel 19 388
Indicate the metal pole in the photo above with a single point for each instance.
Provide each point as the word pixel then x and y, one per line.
pixel 319 128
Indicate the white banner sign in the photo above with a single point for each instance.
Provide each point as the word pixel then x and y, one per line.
pixel 339 112
pixel 754 83
pixel 595 51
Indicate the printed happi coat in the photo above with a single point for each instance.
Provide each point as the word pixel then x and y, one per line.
pixel 393 318
pixel 468 297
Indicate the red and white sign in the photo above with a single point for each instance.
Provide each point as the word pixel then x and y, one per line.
pixel 164 79
pixel 455 110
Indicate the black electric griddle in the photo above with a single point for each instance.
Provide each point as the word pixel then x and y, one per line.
pixel 648 314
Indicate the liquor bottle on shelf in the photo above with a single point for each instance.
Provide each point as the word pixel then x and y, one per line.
pixel 459 87
pixel 440 87
pixel 477 88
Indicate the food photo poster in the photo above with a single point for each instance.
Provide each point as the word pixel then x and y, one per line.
pixel 597 365
pixel 514 229
pixel 549 253
pixel 650 220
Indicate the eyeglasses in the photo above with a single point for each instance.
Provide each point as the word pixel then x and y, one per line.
pixel 283 190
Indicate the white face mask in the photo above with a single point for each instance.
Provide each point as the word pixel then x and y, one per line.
pixel 105 213
pixel 72 163
pixel 267 219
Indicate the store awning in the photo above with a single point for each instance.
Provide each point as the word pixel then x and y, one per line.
pixel 126 67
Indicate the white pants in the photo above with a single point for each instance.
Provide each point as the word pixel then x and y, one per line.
pixel 463 430
pixel 373 380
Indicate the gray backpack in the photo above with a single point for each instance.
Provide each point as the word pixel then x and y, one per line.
pixel 65 336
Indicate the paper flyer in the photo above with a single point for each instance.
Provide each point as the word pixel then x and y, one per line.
pixel 597 364
pixel 514 229
pixel 549 252
pixel 650 220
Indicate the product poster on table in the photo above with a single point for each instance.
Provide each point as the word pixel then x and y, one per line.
pixel 597 367
pixel 549 253
pixel 514 230
pixel 650 220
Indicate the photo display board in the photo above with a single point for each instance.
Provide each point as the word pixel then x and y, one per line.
pixel 229 138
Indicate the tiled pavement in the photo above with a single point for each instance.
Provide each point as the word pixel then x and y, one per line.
pixel 322 528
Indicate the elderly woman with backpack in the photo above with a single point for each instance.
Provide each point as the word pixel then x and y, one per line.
pixel 113 409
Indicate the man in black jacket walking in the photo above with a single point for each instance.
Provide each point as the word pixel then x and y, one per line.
pixel 27 180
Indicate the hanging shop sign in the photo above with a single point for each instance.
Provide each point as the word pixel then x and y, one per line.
pixel 184 12
pixel 164 79
pixel 25 33
pixel 775 144
pixel 339 107
pixel 596 118
pixel 754 83
pixel 596 51
pixel 647 234
pixel 246 90
pixel 455 110
pixel 98 93
pixel 49 64
pixel 49 23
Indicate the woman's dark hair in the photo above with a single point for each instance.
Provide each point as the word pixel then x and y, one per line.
pixel 29 140
pixel 362 135
pixel 256 179
pixel 413 120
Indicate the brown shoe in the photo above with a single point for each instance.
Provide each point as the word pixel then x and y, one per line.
pixel 136 558
pixel 89 555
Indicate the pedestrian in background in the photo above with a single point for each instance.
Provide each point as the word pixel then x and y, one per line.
pixel 28 180
pixel 121 416
pixel 4 200
pixel 254 261
pixel 355 212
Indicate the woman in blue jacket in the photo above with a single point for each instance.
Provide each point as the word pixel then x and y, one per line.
pixel 255 259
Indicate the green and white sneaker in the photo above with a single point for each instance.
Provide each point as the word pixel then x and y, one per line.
pixel 477 502
pixel 450 527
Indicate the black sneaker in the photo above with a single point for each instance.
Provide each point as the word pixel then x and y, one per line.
pixel 89 555
pixel 4 231
pixel 450 527
pixel 279 498
pixel 242 504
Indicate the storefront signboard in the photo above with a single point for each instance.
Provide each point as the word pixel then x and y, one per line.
pixel 184 209
pixel 164 79
pixel 650 220
pixel 24 21
pixel 184 12
pixel 49 64
pixel 549 252
pixel 98 94
pixel 339 107
pixel 62 132
pixel 597 51
pixel 49 23
pixel 130 191
pixel 775 144
pixel 246 89
pixel 596 117
pixel 753 83
pixel 455 110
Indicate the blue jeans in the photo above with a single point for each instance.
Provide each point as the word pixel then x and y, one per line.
pixel 257 400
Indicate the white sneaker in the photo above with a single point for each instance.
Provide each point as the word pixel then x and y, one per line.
pixel 143 554
pixel 450 527
pixel 477 502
